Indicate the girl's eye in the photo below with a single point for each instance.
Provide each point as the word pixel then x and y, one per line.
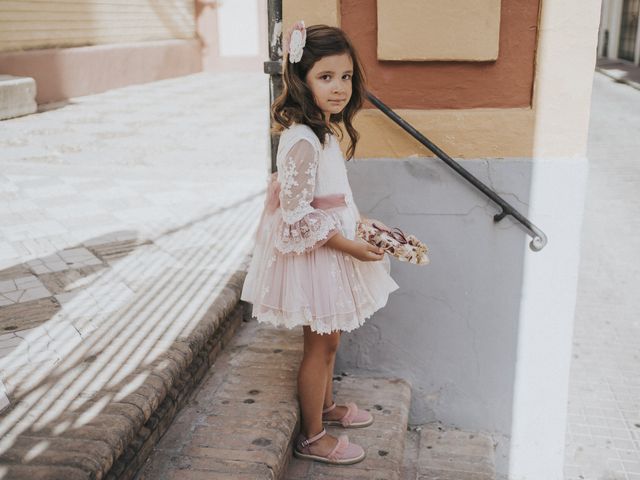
pixel 346 75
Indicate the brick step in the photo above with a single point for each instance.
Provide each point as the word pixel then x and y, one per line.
pixel 107 430
pixel 240 422
pixel 435 452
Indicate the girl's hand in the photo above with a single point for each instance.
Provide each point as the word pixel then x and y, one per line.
pixel 365 252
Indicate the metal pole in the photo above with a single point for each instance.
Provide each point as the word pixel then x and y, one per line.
pixel 273 67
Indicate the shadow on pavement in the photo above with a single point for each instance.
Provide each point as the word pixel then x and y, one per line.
pixel 103 316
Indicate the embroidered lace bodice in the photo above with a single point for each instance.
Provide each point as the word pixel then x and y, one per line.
pixel 306 170
pixel 294 280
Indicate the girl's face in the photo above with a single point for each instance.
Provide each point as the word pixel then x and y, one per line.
pixel 330 82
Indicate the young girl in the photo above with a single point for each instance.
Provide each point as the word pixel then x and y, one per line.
pixel 308 268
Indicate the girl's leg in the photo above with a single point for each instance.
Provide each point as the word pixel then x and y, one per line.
pixel 340 410
pixel 312 382
pixel 328 393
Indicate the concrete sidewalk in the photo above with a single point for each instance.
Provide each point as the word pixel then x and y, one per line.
pixel 124 218
pixel 603 432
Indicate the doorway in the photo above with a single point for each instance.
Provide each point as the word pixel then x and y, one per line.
pixel 629 30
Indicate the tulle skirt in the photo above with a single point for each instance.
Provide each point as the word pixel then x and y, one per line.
pixel 324 288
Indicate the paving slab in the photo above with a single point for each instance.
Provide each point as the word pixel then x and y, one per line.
pixel 434 451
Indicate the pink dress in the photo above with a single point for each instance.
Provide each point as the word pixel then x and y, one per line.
pixel 293 278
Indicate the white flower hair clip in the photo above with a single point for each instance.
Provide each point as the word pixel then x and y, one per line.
pixel 294 41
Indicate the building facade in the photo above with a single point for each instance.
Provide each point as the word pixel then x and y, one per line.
pixel 619 33
pixel 484 332
pixel 80 48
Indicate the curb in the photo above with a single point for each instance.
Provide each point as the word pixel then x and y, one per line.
pixel 618 79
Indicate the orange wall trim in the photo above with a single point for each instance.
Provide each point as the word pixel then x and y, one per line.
pixel 472 133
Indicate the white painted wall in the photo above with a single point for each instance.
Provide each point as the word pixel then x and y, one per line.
pixel 562 100
pixel 451 329
pixel 545 327
pixel 238 31
pixel 484 333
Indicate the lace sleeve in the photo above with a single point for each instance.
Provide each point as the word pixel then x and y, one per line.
pixel 303 227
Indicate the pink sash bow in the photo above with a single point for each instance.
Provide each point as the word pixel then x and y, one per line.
pixel 272 202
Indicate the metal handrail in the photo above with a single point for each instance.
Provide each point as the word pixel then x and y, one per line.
pixel 273 67
pixel 539 239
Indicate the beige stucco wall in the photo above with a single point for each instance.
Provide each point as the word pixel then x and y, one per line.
pixel 467 133
pixel 555 125
pixel 470 133
pixel 438 30
pixel 312 12
pixel 36 24
pixel 565 62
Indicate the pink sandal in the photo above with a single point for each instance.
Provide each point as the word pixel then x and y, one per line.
pixel 344 453
pixel 354 418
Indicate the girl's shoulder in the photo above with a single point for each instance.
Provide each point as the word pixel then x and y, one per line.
pixel 299 131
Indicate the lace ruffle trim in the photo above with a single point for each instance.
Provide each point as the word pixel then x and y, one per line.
pixel 297 214
pixel 345 321
pixel 321 326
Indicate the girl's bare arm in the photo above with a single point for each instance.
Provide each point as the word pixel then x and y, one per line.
pixel 357 249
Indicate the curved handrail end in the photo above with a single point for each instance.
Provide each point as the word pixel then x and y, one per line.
pixel 538 242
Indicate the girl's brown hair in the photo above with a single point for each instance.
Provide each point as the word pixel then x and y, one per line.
pixel 296 103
